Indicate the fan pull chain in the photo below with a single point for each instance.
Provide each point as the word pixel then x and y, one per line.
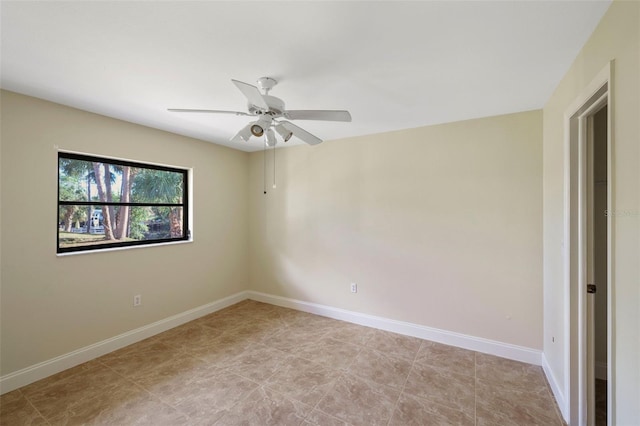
pixel 274 166
pixel 264 167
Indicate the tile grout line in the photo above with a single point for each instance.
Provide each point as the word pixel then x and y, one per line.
pixel 333 385
pixel 162 400
pixel 45 418
pixel 281 328
pixel 34 407
pixel 475 389
pixel 259 385
pixel 341 372
pixel 284 328
pixel 415 357
pixel 239 401
pixel 315 407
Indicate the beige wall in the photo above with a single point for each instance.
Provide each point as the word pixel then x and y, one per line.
pixel 439 226
pixel 617 37
pixel 53 305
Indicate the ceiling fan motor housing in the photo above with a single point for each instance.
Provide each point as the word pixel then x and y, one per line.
pixel 276 107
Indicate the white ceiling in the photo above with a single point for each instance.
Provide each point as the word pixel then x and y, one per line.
pixel 392 64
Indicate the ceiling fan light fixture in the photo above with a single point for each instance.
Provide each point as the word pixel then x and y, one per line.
pixel 286 134
pixel 257 130
pixel 258 127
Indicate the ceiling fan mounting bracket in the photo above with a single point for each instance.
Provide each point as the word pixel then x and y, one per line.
pixel 266 84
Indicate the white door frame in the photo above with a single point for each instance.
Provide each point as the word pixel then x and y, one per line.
pixel 576 200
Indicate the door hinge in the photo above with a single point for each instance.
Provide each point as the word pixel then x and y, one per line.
pixel 591 288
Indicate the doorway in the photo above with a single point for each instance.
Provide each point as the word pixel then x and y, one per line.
pixel 598 211
pixel 588 254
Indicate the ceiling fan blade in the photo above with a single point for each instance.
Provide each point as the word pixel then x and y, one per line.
pixel 301 134
pixel 243 135
pixel 325 115
pixel 212 111
pixel 252 94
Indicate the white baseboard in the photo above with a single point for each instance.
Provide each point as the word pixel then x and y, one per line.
pixel 556 389
pixel 55 365
pixel 504 350
pixel 601 370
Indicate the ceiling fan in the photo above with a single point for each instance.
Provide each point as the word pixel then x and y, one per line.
pixel 272 116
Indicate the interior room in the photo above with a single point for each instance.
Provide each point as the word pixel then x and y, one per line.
pixel 463 208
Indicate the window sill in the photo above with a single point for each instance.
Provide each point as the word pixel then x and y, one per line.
pixel 168 243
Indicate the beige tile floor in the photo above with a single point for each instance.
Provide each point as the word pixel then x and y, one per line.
pixel 258 364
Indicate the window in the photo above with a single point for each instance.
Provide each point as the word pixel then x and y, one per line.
pixel 105 203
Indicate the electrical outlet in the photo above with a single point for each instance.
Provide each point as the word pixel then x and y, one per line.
pixel 354 288
pixel 137 300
